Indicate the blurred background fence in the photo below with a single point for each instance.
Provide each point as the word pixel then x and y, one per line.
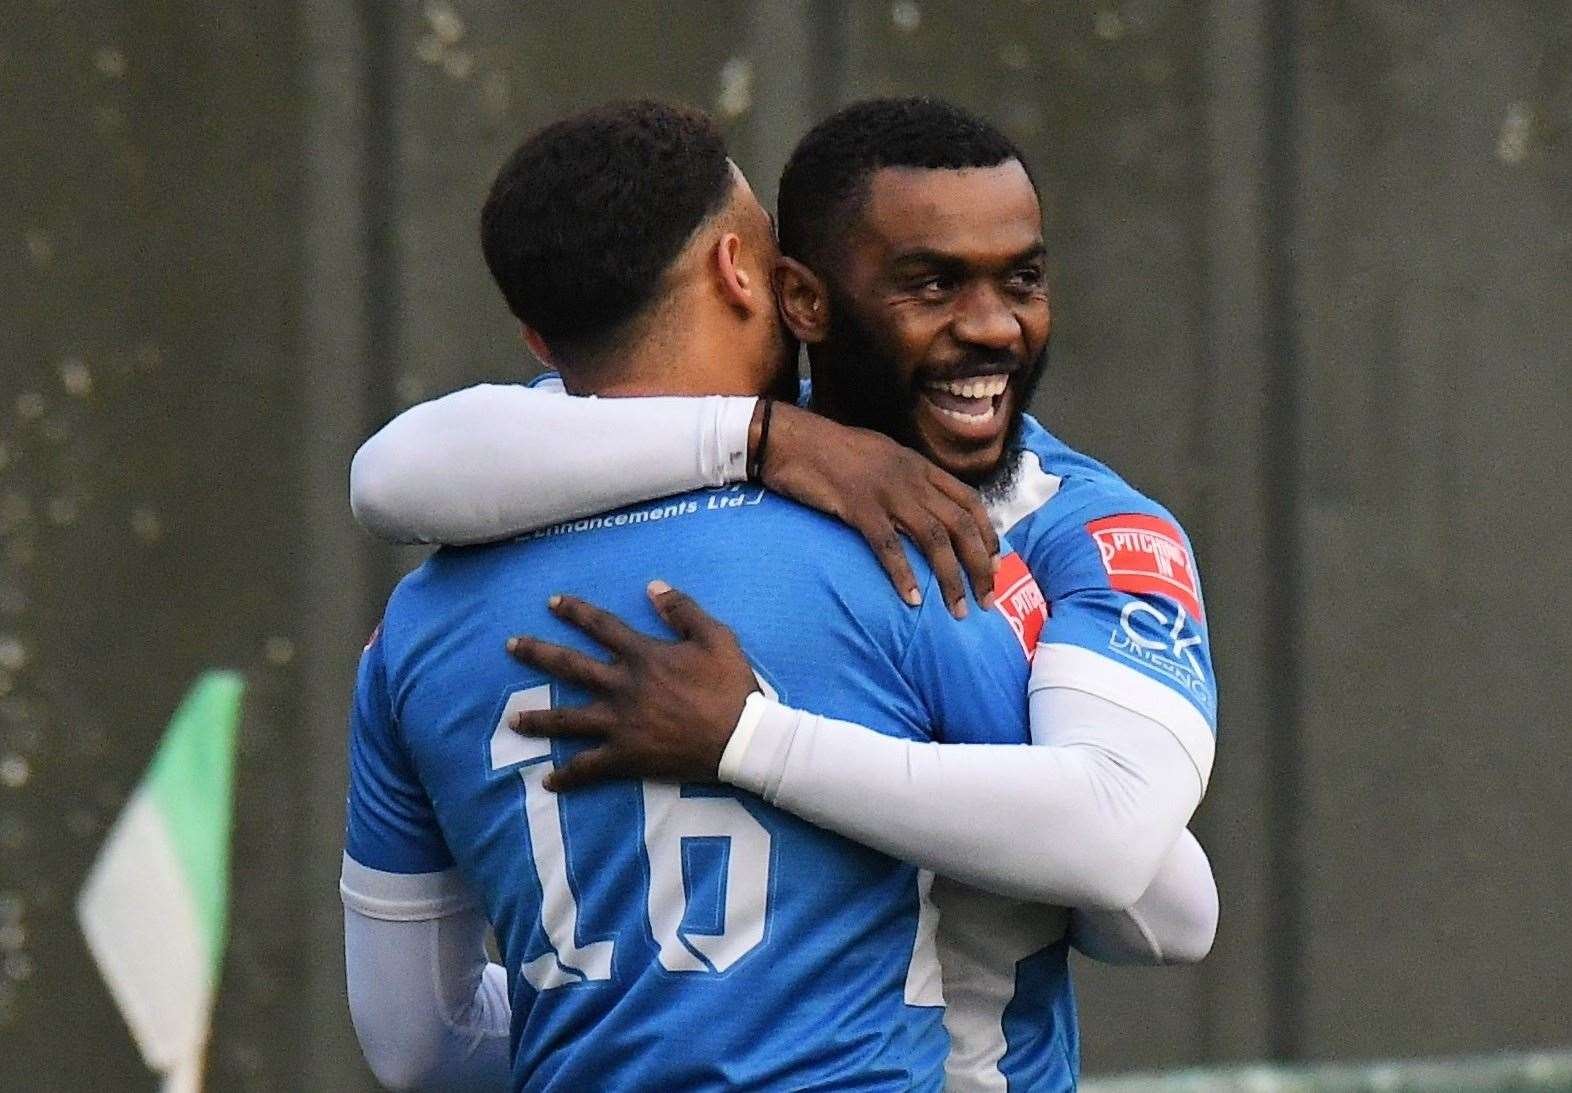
pixel 1312 266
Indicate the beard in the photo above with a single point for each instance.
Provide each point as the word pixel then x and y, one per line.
pixel 865 387
pixel 999 482
pixel 863 384
pixel 785 384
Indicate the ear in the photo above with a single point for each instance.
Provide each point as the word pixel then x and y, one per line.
pixel 738 286
pixel 804 300
pixel 537 345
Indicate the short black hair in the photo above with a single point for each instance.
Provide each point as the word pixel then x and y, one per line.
pixel 826 179
pixel 588 213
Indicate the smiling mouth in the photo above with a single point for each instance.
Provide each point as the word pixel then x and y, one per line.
pixel 970 404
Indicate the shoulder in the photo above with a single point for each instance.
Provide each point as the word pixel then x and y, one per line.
pixel 425 603
pixel 702 523
pixel 1077 523
pixel 812 547
pixel 1056 489
pixel 1127 619
pixel 744 539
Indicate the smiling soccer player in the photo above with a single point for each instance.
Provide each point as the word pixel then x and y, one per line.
pixel 914 273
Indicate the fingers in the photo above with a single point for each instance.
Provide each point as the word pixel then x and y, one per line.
pixel 586 769
pixel 886 543
pixel 682 614
pixel 974 553
pixel 562 663
pixel 932 537
pixel 567 721
pixel 603 626
pixel 966 497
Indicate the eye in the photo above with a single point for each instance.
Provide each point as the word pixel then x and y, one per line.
pixel 1027 278
pixel 938 284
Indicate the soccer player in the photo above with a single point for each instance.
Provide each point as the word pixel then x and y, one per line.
pixel 917 283
pixel 655 935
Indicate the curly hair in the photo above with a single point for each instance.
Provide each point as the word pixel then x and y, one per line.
pixel 590 211
pixel 826 179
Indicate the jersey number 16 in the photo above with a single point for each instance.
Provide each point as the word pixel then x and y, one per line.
pixel 669 819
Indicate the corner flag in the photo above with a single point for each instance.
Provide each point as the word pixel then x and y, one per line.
pixel 155 907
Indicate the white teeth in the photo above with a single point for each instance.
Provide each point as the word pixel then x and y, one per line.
pixel 970 419
pixel 976 387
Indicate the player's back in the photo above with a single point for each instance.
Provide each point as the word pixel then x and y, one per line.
pixel 692 938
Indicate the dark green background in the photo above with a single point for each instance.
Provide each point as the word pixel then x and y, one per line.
pixel 1312 266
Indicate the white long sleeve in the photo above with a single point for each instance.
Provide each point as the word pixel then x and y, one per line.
pixel 1084 818
pixel 472 466
pixel 1174 921
pixel 429 1010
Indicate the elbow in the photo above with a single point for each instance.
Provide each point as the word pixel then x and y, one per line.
pixel 1194 931
pixel 1191 945
pixel 374 483
pixel 1115 888
pixel 1101 883
pixel 1122 865
pixel 1131 845
pixel 403 1075
pixel 402 1047
pixel 403 1063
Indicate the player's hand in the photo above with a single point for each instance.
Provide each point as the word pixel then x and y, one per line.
pixel 884 489
pixel 661 709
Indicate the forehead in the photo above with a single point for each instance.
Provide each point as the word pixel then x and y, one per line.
pixel 973 211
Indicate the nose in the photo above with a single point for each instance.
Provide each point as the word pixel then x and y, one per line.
pixel 984 318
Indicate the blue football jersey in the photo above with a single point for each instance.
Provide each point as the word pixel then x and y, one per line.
pixel 1125 620
pixel 1122 586
pixel 659 936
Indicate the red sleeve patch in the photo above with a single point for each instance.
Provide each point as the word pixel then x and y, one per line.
pixel 1020 601
pixel 1147 554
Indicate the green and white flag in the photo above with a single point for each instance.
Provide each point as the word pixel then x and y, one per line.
pixel 155 908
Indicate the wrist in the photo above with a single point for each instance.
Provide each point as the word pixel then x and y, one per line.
pixel 726 439
pixel 755 757
pixel 777 440
pixel 759 439
pixel 741 736
pixel 755 428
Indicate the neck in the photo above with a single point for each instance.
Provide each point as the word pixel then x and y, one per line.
pixel 829 398
pixel 699 357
